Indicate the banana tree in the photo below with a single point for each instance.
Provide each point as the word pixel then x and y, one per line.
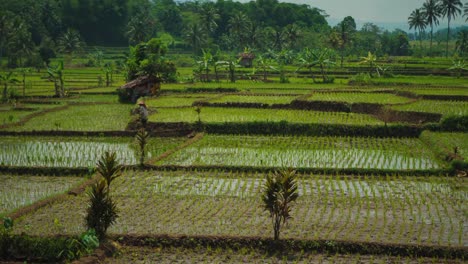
pixel 205 63
pixel 231 66
pixel 371 59
pixel 56 75
pixel 24 72
pixel 311 58
pixel 6 79
pixel 459 67
pixel 264 63
pixel 108 69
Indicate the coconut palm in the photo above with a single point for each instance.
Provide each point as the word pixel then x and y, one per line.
pixel 450 9
pixel 292 34
pixel 209 16
pixel 417 21
pixel 462 42
pixel 70 42
pixel 431 12
pixel 465 12
pixel 195 36
pixel 238 26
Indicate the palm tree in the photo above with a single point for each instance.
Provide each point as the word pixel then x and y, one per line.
pixel 238 26
pixel 70 42
pixel 417 21
pixel 450 9
pixel 195 36
pixel 431 12
pixel 292 34
pixel 462 42
pixel 208 16
pixel 465 12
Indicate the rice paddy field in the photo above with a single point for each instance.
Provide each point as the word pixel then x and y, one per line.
pixel 223 115
pixel 385 189
pixel 308 152
pixel 392 209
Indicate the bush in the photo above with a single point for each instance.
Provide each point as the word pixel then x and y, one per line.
pixel 455 123
pixel 361 79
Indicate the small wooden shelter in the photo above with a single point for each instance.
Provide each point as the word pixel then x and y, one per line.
pixel 146 85
pixel 246 59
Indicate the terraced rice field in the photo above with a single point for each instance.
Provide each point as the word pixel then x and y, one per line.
pixel 76 152
pixel 17 191
pixel 390 209
pixel 307 152
pixel 446 108
pixel 222 115
pixel 96 117
pixel 360 97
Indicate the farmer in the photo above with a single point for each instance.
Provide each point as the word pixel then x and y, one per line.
pixel 143 111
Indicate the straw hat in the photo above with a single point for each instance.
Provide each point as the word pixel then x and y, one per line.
pixel 141 102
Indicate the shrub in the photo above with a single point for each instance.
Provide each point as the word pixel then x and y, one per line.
pixel 279 192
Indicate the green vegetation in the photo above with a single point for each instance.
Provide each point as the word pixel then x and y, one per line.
pixel 19 191
pixel 372 124
pixel 307 152
pixel 222 115
pixel 446 108
pixel 75 152
pixel 390 209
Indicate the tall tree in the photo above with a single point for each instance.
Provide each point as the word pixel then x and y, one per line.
pixel 450 9
pixel 462 42
pixel 195 36
pixel 431 12
pixel 70 42
pixel 141 27
pixel 209 17
pixel 417 21
pixel 238 26
pixel 465 12
pixel 346 30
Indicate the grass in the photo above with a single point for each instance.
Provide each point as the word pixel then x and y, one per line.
pixel 307 152
pixel 391 209
pixel 221 115
pixel 177 100
pixel 18 191
pixel 446 108
pixel 352 97
pixel 447 142
pixel 253 99
pixel 97 117
pixel 439 91
pixel 164 255
pixel 76 152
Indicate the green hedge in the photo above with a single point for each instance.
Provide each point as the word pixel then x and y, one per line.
pixel 286 246
pixel 286 128
pixel 450 124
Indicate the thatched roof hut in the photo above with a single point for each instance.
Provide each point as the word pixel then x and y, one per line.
pixel 246 59
pixel 146 85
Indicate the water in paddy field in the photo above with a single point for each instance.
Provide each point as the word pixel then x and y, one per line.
pixel 306 158
pixel 250 187
pixel 62 154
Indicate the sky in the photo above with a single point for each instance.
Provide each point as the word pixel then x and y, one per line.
pixel 376 11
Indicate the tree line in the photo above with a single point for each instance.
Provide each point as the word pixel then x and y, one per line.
pixel 430 13
pixel 31 31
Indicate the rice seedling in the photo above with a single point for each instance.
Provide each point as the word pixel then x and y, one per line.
pixel 18 191
pixel 353 97
pixel 214 203
pixel 446 108
pixel 308 152
pixel 75 152
pixel 222 115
